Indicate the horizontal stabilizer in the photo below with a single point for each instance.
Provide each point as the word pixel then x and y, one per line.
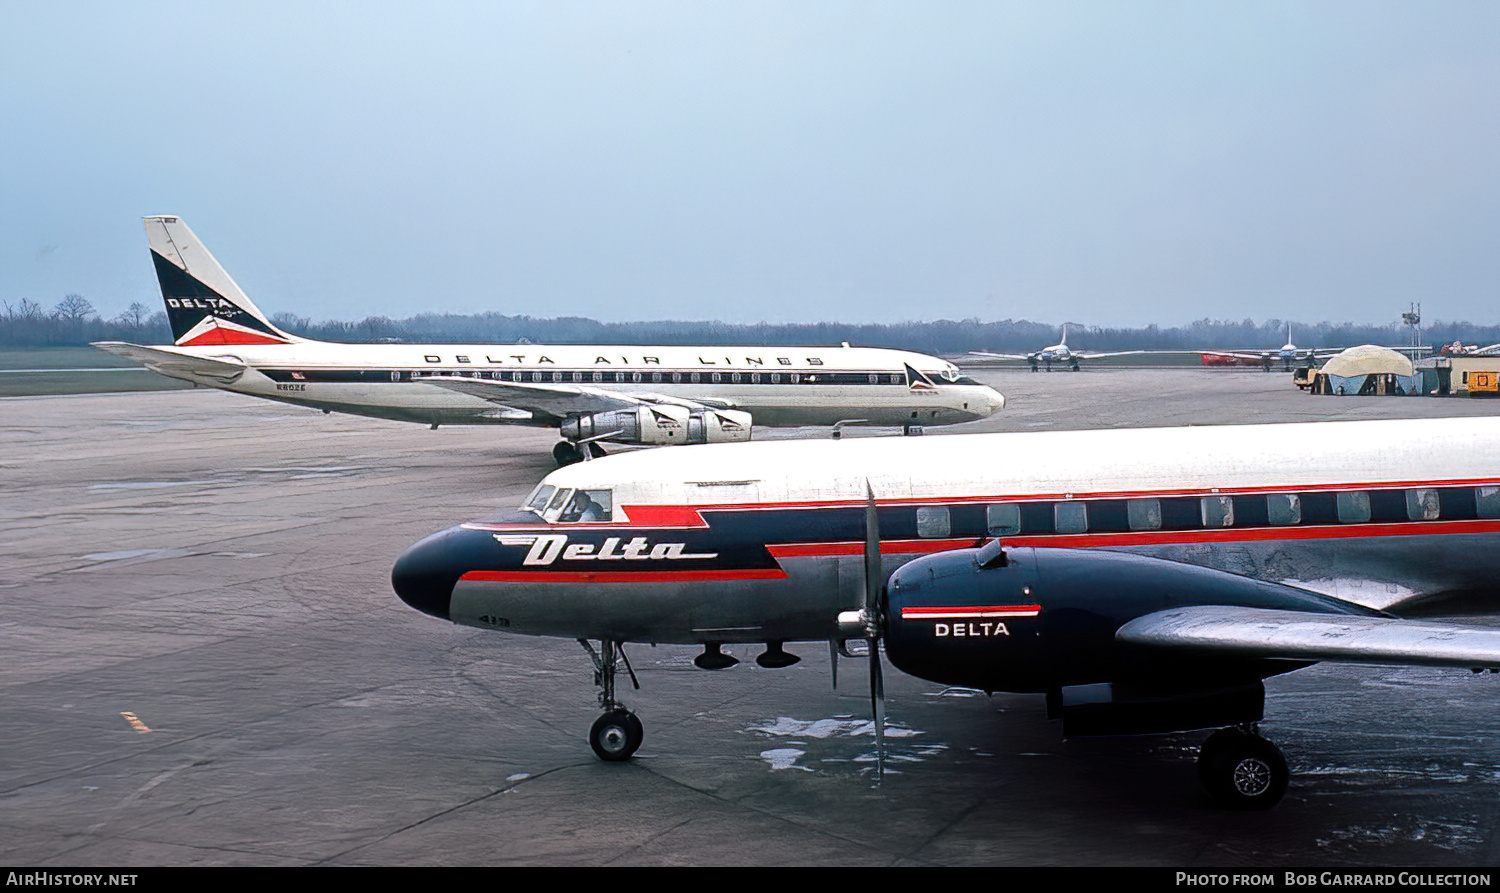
pixel 1300 635
pixel 175 365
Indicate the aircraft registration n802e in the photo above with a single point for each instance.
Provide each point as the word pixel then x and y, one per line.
pixel 1144 580
pixel 630 394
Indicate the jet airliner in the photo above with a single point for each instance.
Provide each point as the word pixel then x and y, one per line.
pixel 629 394
pixel 1142 580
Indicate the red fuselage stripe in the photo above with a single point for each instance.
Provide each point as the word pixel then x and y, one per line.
pixel 621 576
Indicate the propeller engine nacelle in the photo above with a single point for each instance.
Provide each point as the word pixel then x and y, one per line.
pixel 660 424
pixel 1044 620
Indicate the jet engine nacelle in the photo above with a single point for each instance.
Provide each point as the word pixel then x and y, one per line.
pixel 1044 620
pixel 719 426
pixel 660 424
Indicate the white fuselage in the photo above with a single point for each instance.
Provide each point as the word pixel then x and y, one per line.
pixel 779 386
pixel 763 541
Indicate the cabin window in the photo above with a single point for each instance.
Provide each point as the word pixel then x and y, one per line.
pixel 676 377
pixel 557 376
pixel 1070 517
pixel 598 376
pixel 796 378
pixel 1283 509
pixel 536 376
pixel 586 505
pixel 1143 514
pixel 540 497
pixel 733 378
pixel 578 376
pixel 1217 511
pixel 933 521
pixel 1422 505
pixel 395 376
pixel 1487 502
pixel 635 376
pixel 1003 519
pixel 874 378
pixel 775 378
pixel 1354 507
pixel 696 377
pixel 656 376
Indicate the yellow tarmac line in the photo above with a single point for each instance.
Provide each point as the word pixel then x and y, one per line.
pixel 135 722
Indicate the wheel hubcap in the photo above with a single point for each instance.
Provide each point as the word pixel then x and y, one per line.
pixel 1252 777
pixel 613 739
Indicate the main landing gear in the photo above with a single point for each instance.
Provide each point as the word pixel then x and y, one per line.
pixel 618 733
pixel 1242 770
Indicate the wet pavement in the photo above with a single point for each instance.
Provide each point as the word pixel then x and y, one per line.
pixel 204 664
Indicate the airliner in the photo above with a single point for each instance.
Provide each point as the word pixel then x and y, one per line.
pixel 1143 580
pixel 1060 353
pixel 629 394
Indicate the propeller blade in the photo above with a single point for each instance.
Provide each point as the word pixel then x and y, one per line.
pixel 877 705
pixel 874 581
pixel 873 576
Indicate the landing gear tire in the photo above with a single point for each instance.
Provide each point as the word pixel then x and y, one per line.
pixel 616 735
pixel 566 454
pixel 1242 770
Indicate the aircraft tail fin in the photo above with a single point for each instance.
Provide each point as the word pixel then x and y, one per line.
pixel 204 305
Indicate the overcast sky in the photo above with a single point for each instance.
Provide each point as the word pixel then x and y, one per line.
pixel 1106 163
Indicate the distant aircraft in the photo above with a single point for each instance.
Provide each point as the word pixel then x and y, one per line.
pixel 630 394
pixel 1288 355
pixel 1143 580
pixel 1460 349
pixel 1058 353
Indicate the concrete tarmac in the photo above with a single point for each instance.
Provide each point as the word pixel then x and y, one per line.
pixel 204 664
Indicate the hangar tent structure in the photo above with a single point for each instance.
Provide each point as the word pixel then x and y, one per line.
pixel 1365 370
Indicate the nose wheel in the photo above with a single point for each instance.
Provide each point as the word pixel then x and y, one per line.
pixel 617 734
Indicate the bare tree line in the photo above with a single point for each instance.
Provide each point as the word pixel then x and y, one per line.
pixel 73 321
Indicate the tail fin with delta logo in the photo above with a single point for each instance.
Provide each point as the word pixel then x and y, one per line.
pixel 204 306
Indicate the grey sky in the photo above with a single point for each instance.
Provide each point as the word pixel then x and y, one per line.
pixel 1105 163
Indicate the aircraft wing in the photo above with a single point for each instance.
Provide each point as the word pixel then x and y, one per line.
pixel 560 399
pixel 1300 635
pixel 999 356
pixel 1090 355
pixel 1235 354
pixel 175 365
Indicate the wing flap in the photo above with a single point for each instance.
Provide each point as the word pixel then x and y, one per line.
pixel 1299 635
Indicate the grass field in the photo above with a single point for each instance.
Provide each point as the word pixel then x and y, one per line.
pixel 75 370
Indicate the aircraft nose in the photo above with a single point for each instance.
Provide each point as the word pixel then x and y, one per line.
pixel 992 402
pixel 425 574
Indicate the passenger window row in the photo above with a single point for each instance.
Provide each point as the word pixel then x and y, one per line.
pixel 1218 512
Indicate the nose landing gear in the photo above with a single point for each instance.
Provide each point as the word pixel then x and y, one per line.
pixel 616 735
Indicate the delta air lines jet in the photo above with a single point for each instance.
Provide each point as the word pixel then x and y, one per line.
pixel 630 394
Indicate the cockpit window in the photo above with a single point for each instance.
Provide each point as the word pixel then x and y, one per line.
pixel 586 505
pixel 539 498
pixel 559 499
